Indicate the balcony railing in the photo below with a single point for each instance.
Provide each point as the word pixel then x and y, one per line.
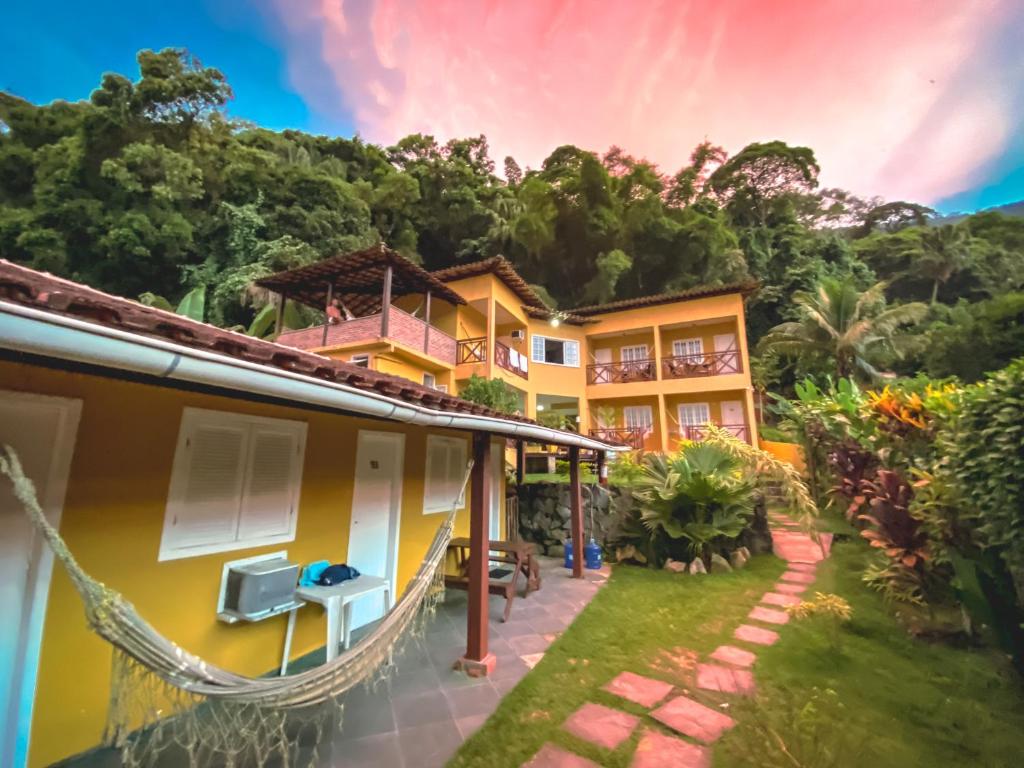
pixel 632 436
pixel 510 360
pixel 699 433
pixel 402 328
pixel 621 373
pixel 472 350
pixel 704 364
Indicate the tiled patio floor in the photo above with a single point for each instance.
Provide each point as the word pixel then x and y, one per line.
pixel 425 712
pixel 420 717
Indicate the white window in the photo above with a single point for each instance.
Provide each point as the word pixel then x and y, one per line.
pixel 234 485
pixel 544 349
pixel 635 353
pixel 638 417
pixel 688 347
pixel 363 361
pixel 446 470
pixel 694 414
pixel 429 380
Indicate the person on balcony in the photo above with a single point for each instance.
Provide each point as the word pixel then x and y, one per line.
pixel 337 312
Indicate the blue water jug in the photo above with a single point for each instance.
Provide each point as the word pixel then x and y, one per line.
pixel 568 553
pixel 592 556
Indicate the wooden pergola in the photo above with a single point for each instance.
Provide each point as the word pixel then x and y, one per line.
pixel 365 282
pixel 478 660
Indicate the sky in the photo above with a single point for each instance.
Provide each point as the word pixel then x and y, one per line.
pixel 920 100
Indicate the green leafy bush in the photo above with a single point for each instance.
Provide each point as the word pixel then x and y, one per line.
pixel 494 393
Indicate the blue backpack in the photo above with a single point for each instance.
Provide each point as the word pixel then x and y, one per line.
pixel 335 574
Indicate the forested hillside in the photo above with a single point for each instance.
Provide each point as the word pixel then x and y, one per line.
pixel 150 187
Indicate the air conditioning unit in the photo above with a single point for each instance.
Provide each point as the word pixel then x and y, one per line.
pixel 254 590
pixel 518 335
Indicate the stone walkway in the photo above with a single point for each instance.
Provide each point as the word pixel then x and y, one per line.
pixel 729 669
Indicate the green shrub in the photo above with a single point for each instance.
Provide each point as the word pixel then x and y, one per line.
pixel 494 393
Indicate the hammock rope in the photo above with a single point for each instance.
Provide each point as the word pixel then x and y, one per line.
pixel 251 715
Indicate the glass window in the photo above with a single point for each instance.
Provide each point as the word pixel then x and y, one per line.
pixel 544 349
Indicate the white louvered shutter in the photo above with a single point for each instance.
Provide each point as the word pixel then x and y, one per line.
pixel 456 471
pixel 572 353
pixel 537 348
pixel 272 481
pixel 437 474
pixel 204 505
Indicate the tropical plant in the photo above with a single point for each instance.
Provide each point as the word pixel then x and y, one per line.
pixel 697 497
pixel 831 610
pixel 192 305
pixel 494 393
pixel 945 252
pixel 843 327
pixel 626 468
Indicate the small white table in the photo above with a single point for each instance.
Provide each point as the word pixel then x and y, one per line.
pixel 337 603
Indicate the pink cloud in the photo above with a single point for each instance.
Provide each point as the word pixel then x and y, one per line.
pixel 877 88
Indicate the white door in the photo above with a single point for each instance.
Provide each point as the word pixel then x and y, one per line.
pixel 728 357
pixel 732 416
pixel 637 352
pixel 376 511
pixel 42 431
pixel 725 342
pixel 639 417
pixel 602 356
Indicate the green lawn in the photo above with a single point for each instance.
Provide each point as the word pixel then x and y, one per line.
pixel 885 700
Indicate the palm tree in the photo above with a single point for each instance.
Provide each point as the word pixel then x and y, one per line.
pixel 945 251
pixel 840 323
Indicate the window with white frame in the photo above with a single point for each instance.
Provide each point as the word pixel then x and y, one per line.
pixel 234 484
pixel 544 349
pixel 363 361
pixel 635 353
pixel 694 414
pixel 446 471
pixel 688 348
pixel 429 380
pixel 638 417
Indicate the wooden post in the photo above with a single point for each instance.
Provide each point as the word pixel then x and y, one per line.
pixel 385 307
pixel 576 509
pixel 520 462
pixel 478 660
pixel 602 469
pixel 426 331
pixel 279 320
pixel 327 317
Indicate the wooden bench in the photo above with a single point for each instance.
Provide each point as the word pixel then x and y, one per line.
pixel 519 554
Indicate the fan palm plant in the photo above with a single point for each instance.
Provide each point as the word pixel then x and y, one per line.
pixel 696 497
pixel 838 322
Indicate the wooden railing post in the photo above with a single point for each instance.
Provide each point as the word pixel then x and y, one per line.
pixel 327 317
pixel 576 510
pixel 520 462
pixel 385 306
pixel 426 331
pixel 478 660
pixel 602 469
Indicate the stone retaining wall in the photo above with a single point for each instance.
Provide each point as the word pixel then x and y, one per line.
pixel 544 514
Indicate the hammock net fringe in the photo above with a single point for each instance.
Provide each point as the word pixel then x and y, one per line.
pixel 163 697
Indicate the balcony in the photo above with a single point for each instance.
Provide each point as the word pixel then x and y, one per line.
pixel 474 350
pixel 697 434
pixel 509 359
pixel 632 436
pixel 403 328
pixel 703 364
pixel 621 373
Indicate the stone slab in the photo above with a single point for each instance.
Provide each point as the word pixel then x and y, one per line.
pixel 658 750
pixel 777 598
pixel 805 567
pixel 551 756
pixel 798 577
pixel 717 677
pixel 756 635
pixel 769 615
pixel 790 589
pixel 693 719
pixel 641 690
pixel 730 654
pixel 600 725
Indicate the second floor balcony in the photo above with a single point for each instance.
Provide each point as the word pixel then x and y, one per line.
pixel 621 373
pixel 402 327
pixel 474 350
pixel 698 433
pixel 702 364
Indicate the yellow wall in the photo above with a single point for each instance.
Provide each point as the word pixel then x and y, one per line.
pixel 706 333
pixel 786 452
pixel 113 518
pixel 616 343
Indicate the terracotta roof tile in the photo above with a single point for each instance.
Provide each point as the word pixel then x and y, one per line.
pixel 46 292
pixel 699 292
pixel 500 267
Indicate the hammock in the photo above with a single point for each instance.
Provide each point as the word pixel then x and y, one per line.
pixel 215 712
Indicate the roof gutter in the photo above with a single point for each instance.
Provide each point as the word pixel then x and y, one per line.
pixel 33 331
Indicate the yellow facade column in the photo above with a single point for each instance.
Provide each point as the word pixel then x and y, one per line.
pixel 583 405
pixel 751 420
pixel 663 423
pixel 657 352
pixel 490 343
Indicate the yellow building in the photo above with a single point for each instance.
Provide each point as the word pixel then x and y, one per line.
pixel 165 449
pixel 645 372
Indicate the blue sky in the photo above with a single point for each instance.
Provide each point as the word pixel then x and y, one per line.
pixel 536 75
